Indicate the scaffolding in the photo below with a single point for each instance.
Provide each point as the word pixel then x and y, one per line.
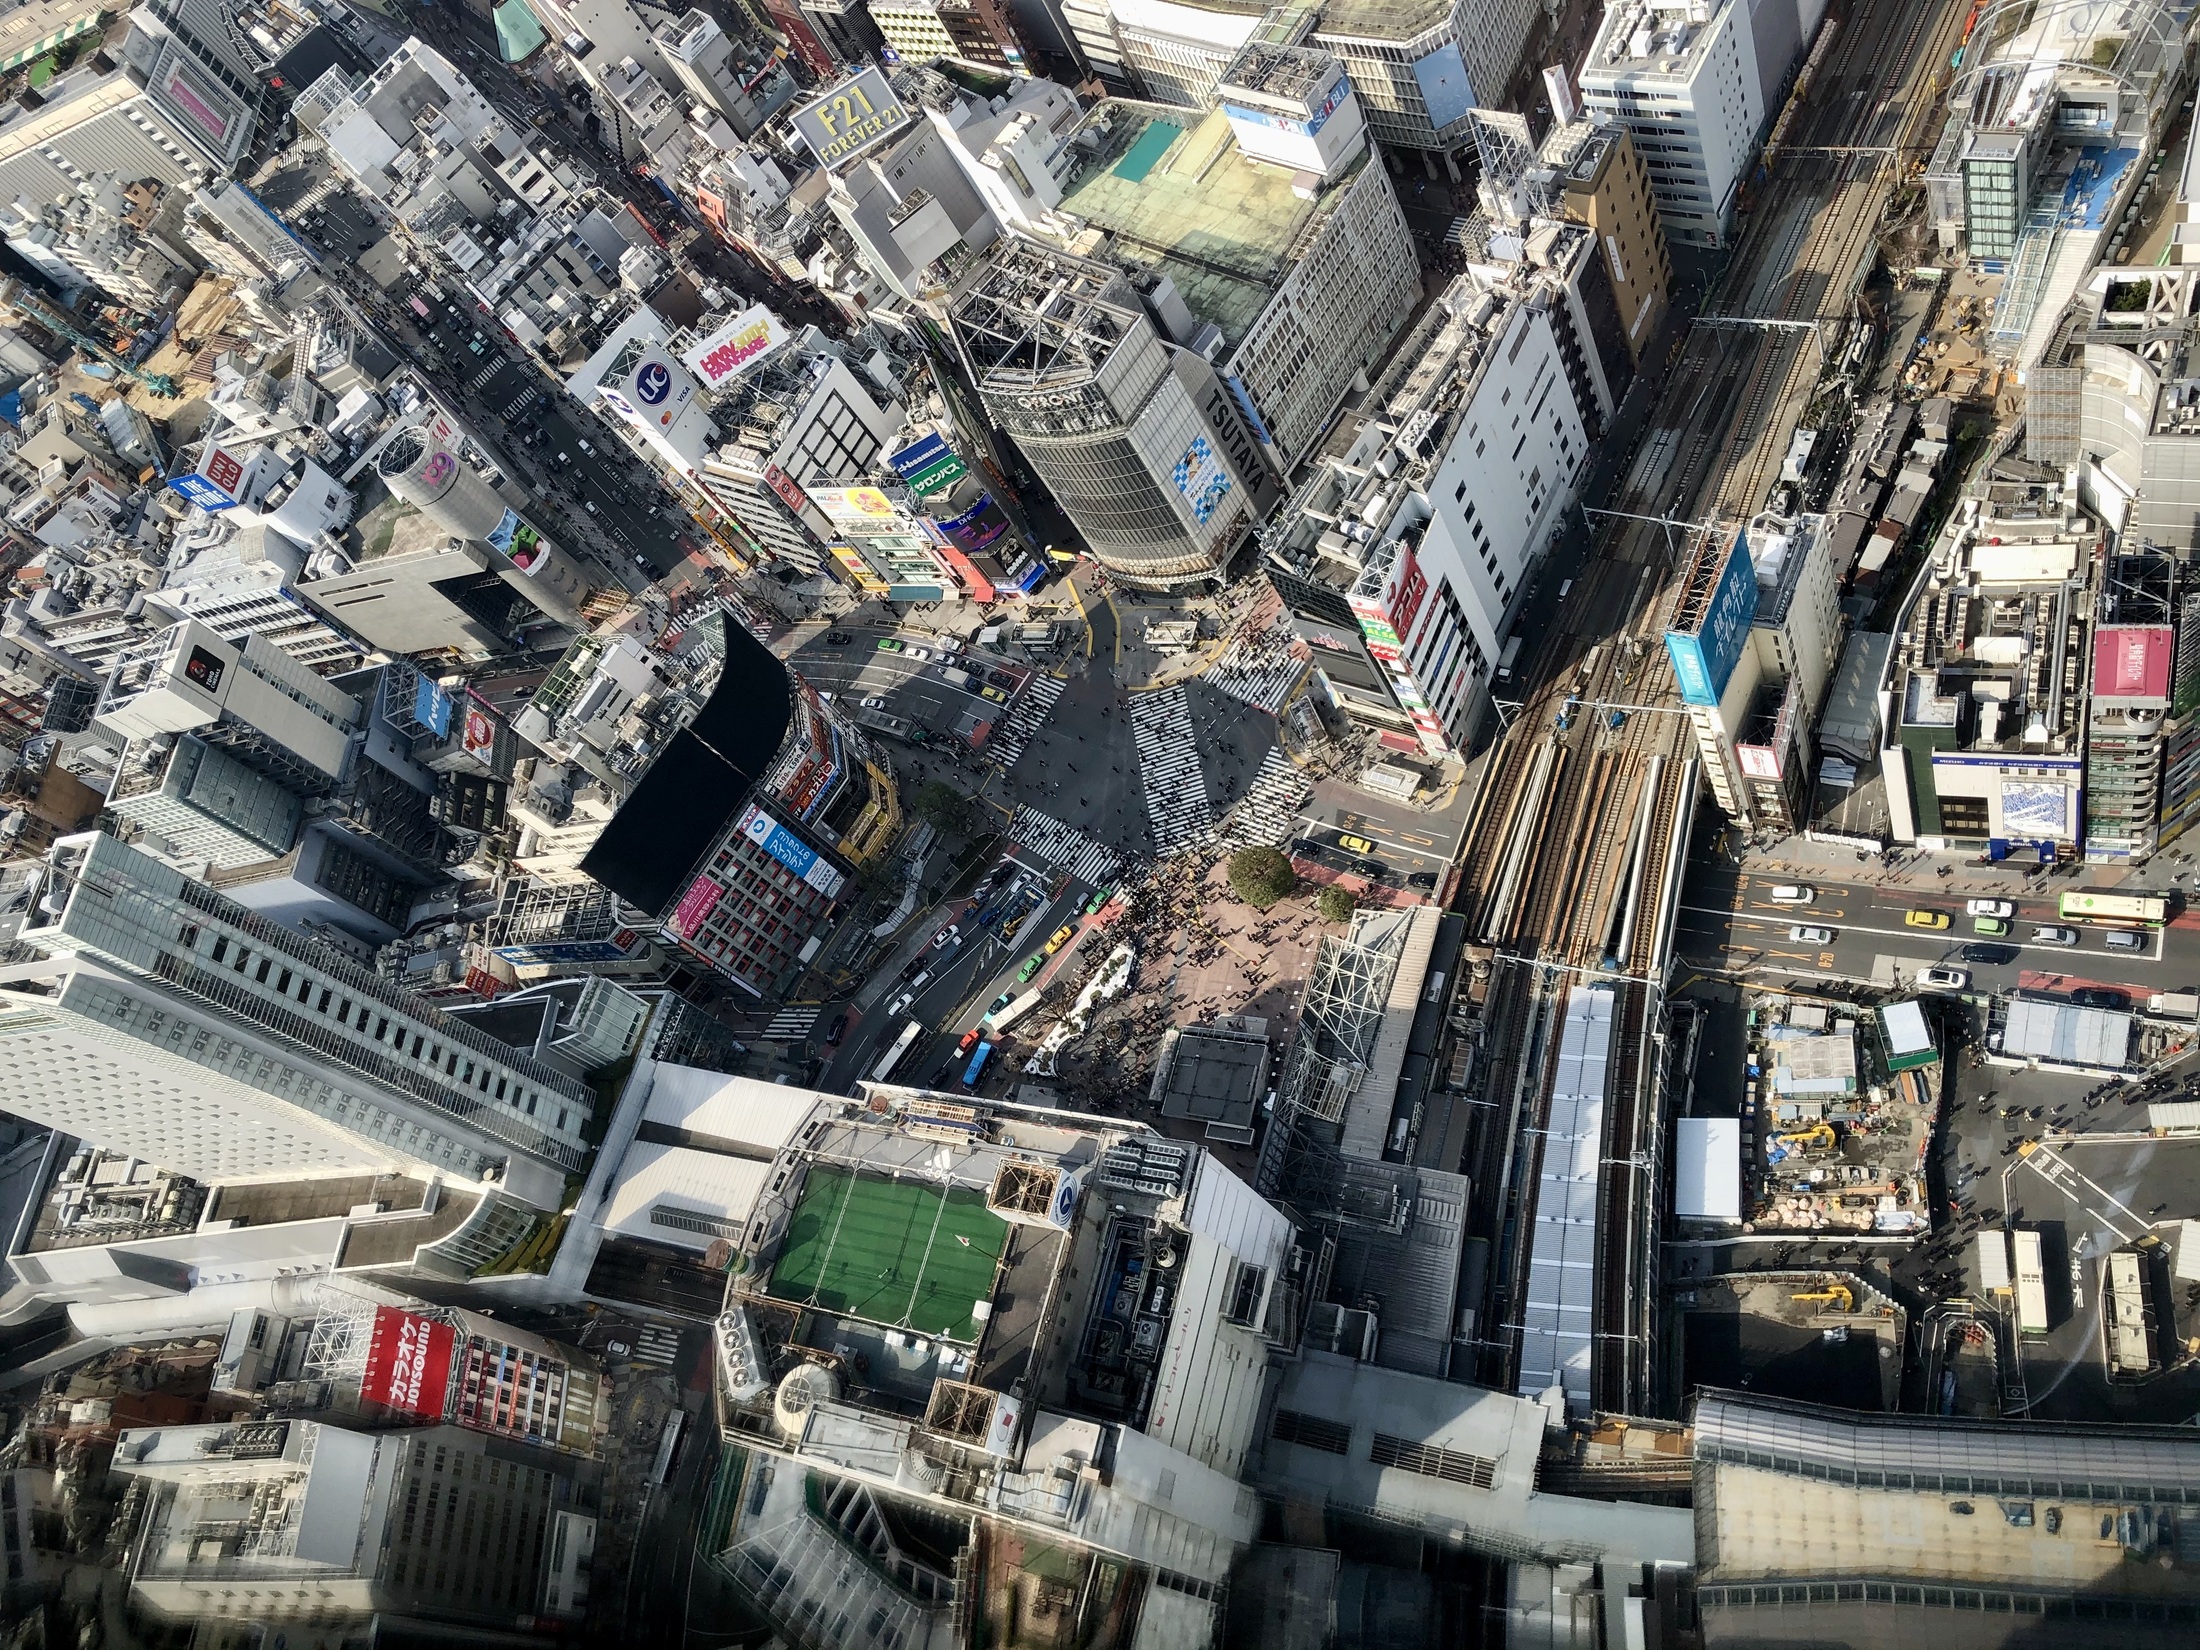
pixel 336 1346
pixel 1337 1030
pixel 1700 582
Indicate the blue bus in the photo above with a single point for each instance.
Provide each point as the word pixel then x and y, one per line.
pixel 977 1065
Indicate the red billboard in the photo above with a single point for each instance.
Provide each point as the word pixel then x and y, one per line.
pixel 408 1363
pixel 2132 661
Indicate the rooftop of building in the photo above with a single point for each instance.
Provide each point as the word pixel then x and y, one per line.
pixel 1797 1489
pixel 90 1195
pixel 701 774
pixel 1032 315
pixel 1394 20
pixel 933 1255
pixel 1780 547
pixel 1174 193
pixel 2000 624
pixel 1289 74
pixel 387 528
pixel 1651 38
pixel 1213 1074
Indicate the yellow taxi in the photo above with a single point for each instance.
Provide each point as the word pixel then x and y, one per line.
pixel 1355 844
pixel 1925 919
pixel 1060 937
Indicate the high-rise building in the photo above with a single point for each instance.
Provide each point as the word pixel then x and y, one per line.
pixel 1262 237
pixel 734 76
pixel 170 1022
pixel 1420 68
pixel 2128 730
pixel 743 825
pixel 1423 535
pixel 1078 1349
pixel 1176 50
pixel 1694 85
pixel 978 31
pixel 300 1521
pixel 1137 439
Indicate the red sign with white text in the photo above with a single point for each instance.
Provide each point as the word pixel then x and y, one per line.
pixel 408 1363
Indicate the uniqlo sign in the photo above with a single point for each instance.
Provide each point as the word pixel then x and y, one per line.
pixel 408 1363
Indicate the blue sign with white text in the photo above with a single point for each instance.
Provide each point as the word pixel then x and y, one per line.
pixel 202 492
pixel 1703 661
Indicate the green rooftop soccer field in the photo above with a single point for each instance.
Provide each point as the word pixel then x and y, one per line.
pixel 895 1252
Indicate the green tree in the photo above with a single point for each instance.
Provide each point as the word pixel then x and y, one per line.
pixel 1261 876
pixel 1336 904
pixel 942 806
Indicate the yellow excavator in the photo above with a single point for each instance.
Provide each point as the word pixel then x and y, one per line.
pixel 1834 1297
pixel 1818 1137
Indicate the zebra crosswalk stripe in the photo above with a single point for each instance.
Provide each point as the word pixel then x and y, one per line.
pixel 1064 845
pixel 1026 717
pixel 789 1024
pixel 1169 768
pixel 1269 810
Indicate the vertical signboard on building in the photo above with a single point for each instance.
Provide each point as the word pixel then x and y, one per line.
pixel 408 1363
pixel 1704 657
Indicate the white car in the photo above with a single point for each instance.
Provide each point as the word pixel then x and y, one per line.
pixel 2002 908
pixel 874 703
pixel 921 655
pixel 1944 979
pixel 1793 893
pixel 1803 935
pixel 899 1003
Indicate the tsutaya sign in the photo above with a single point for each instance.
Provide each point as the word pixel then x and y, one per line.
pixel 851 117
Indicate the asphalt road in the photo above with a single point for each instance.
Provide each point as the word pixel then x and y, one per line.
pixel 962 979
pixel 1729 923
pixel 1407 841
pixel 911 679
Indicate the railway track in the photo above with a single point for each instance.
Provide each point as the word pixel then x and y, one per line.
pixel 1550 846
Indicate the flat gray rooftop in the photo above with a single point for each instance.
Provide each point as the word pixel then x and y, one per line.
pixel 1214 1077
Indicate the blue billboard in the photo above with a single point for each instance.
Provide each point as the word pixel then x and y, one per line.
pixel 432 707
pixel 202 492
pixel 791 851
pixel 1703 660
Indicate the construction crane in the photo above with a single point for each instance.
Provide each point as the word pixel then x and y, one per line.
pixel 15 294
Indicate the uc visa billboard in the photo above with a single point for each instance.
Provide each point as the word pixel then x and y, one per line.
pixel 1704 659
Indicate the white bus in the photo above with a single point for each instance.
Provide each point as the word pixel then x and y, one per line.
pixel 896 1053
pixel 1011 1011
pixel 2031 1284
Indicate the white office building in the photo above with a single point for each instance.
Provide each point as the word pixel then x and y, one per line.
pixel 1430 524
pixel 1694 85
pixel 1176 50
pixel 164 1020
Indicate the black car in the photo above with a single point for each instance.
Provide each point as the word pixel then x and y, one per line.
pixel 837 638
pixel 836 1030
pixel 1374 870
pixel 1989 953
pixel 1000 678
pixel 1422 879
pixel 1306 847
pixel 2094 996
